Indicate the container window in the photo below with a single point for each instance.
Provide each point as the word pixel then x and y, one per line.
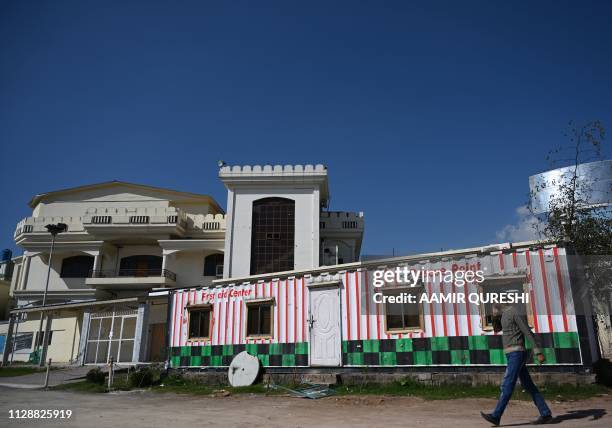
pixel 402 315
pixel 259 318
pixel 492 287
pixel 199 322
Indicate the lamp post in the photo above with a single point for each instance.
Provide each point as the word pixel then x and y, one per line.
pixel 54 230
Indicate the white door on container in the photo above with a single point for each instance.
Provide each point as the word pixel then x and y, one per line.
pixel 324 321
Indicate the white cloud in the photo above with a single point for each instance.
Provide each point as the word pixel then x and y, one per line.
pixel 524 230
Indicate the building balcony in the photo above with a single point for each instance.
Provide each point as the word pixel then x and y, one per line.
pixel 32 226
pixel 340 221
pixel 102 223
pixel 131 278
pixel 138 220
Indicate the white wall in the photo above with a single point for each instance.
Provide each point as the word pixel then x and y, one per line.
pixel 75 204
pixel 189 268
pixel 38 275
pixel 239 221
pixel 346 251
pixel 66 337
pixel 70 207
pixel 66 328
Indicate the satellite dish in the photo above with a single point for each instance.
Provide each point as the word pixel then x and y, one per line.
pixel 243 370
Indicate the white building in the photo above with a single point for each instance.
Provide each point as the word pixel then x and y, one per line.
pixel 126 244
pixel 316 236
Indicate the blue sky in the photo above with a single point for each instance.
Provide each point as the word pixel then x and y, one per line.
pixel 429 115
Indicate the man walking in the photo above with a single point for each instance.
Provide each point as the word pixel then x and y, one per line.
pixel 515 329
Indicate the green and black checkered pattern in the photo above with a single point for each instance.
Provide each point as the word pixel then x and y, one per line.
pixel 270 354
pixel 558 348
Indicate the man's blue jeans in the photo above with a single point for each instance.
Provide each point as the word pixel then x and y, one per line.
pixel 518 370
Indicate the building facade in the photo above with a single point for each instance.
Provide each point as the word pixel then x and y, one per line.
pixel 145 274
pixel 122 241
pixel 126 245
pixel 327 317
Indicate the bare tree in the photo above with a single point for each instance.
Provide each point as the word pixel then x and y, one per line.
pixel 574 219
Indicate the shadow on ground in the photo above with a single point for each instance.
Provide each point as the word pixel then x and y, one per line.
pixel 593 414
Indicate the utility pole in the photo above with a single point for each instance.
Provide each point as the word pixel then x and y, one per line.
pixel 54 230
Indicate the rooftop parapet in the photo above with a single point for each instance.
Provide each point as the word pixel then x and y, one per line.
pixel 351 215
pixel 272 170
pixel 277 174
pixel 340 220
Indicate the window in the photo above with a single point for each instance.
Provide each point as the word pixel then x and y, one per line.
pixel 259 318
pixel 199 322
pixel 23 341
pixel 39 336
pixel 140 265
pixel 502 285
pixel 213 265
pixel 403 315
pixel 272 235
pixel 77 267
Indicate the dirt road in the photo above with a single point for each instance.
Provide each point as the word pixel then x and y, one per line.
pixel 150 409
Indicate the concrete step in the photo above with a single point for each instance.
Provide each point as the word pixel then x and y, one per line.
pixel 297 378
pixel 321 378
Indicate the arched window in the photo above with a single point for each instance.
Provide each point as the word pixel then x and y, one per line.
pixel 213 265
pixel 77 266
pixel 140 265
pixel 272 235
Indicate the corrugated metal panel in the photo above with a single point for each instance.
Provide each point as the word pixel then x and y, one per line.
pixel 545 269
pixel 229 312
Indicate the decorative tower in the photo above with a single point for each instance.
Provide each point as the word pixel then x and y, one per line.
pixel 273 215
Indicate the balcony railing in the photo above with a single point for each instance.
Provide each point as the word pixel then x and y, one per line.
pixel 133 273
pixel 38 224
pixel 98 220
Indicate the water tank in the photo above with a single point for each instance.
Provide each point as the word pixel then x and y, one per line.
pixel 5 255
pixel 597 176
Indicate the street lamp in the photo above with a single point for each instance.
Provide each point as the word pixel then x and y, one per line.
pixel 54 230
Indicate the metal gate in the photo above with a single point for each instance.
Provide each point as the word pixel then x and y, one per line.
pixel 111 334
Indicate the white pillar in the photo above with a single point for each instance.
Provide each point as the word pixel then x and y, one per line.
pixel 45 338
pixel 25 270
pixel 84 334
pixel 141 335
pixel 97 261
pixel 166 257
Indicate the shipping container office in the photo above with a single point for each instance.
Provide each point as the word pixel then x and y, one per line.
pixel 326 317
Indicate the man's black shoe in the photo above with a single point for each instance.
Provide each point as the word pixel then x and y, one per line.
pixel 490 418
pixel 543 420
